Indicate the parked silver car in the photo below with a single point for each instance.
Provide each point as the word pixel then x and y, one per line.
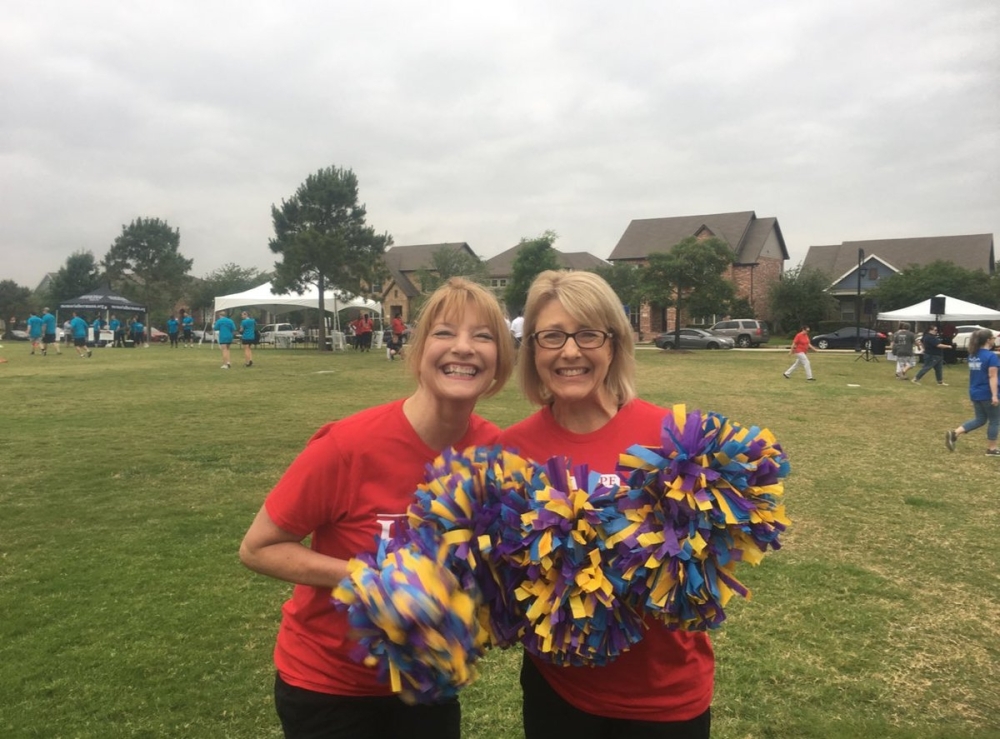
pixel 694 338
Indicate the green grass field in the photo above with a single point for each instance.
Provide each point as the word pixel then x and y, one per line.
pixel 128 480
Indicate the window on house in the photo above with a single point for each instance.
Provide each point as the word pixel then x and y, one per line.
pixel 873 273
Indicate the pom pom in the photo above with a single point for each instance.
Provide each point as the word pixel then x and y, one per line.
pixel 530 540
pixel 567 585
pixel 470 503
pixel 413 621
pixel 703 501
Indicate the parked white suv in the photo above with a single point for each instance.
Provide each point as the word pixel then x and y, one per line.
pixel 963 334
pixel 269 332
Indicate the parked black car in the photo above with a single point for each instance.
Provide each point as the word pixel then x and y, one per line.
pixel 846 338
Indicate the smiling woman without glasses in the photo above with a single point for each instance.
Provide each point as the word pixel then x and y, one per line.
pixel 353 483
pixel 577 362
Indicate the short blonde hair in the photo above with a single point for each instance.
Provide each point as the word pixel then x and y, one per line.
pixel 591 301
pixel 452 300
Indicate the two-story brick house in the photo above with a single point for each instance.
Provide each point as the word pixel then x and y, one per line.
pixel 759 255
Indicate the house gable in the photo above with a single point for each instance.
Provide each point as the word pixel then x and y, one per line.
pixel 873 269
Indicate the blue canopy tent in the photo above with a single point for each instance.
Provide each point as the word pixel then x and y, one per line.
pixel 104 301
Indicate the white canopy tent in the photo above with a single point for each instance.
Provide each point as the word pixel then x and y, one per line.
pixel 955 310
pixel 264 298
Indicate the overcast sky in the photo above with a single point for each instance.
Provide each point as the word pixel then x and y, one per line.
pixel 489 122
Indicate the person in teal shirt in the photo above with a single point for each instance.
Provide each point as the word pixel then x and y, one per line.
pixel 116 329
pixel 173 328
pixel 187 325
pixel 79 328
pixel 35 331
pixel 49 332
pixel 138 333
pixel 225 329
pixel 248 337
pixel 97 325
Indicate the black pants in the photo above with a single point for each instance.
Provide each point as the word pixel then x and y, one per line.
pixel 306 714
pixel 547 715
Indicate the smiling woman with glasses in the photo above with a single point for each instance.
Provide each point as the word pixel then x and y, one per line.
pixel 661 687
pixel 588 338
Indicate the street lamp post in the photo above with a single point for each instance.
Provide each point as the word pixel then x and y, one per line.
pixel 857 304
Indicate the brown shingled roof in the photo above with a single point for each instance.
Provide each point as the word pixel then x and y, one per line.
pixel 502 265
pixel 419 256
pixel 743 231
pixel 973 251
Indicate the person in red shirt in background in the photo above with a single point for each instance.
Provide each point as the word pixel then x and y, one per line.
pixel 397 328
pixel 363 329
pixel 349 486
pixel 801 346
pixel 577 362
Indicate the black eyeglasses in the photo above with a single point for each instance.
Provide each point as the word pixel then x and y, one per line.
pixel 587 338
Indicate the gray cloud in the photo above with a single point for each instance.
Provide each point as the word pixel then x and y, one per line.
pixel 845 120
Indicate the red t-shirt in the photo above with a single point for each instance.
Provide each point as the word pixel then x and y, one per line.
pixel 800 344
pixel 351 483
pixel 669 675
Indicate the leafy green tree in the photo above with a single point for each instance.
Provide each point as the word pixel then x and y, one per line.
pixel 77 277
pixel 715 297
pixel 445 264
pixel 690 273
pixel 533 257
pixel 740 308
pixel 321 235
pixel 228 279
pixel 800 298
pixel 914 284
pixel 15 302
pixel 626 280
pixel 145 263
